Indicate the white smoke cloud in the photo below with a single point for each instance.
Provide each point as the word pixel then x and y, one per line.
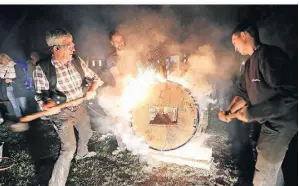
pixel 159 34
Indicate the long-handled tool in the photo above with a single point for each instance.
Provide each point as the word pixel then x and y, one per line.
pixel 3 102
pixel 23 125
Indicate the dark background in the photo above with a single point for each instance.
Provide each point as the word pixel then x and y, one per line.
pixel 22 27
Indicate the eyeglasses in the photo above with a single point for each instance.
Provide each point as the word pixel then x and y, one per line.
pixel 68 46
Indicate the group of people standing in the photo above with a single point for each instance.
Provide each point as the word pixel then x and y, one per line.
pixel 267 94
pixel 13 88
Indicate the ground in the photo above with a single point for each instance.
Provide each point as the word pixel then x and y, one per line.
pixel 34 154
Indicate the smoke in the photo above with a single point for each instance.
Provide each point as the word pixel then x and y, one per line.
pixel 152 35
pixel 156 34
pixel 118 121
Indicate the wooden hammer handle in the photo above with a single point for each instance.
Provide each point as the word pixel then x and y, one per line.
pixel 31 117
pixel 3 102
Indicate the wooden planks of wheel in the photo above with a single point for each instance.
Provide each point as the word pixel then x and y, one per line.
pixel 167 118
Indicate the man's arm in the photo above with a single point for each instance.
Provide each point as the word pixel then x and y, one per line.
pixel 42 84
pixel 239 101
pixel 234 107
pixel 241 98
pixel 280 74
pixel 236 104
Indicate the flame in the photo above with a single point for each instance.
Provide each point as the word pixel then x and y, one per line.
pixel 137 89
pixel 119 104
pixel 135 92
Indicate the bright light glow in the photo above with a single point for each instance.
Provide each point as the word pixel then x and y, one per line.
pixel 137 89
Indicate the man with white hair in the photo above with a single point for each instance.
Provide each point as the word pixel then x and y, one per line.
pixel 58 79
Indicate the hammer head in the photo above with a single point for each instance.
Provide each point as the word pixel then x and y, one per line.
pixel 18 127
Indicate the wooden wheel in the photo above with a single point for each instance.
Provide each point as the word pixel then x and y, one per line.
pixel 167 118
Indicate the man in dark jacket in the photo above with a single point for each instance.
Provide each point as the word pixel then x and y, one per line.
pixel 267 94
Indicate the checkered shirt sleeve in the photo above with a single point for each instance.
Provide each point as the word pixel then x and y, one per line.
pixel 41 83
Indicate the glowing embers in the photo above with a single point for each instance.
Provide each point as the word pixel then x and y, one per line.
pixel 160 115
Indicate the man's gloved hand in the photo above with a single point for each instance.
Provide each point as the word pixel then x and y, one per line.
pixel 90 95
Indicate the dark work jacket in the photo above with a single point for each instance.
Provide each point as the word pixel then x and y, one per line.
pixel 18 84
pixel 269 84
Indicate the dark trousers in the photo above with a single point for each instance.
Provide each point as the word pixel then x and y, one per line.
pixel 271 148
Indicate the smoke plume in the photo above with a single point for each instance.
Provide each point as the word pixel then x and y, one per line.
pixel 151 35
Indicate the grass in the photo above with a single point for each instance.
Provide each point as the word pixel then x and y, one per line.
pixel 36 151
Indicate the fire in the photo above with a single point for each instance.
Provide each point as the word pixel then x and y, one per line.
pixel 119 102
pixel 137 89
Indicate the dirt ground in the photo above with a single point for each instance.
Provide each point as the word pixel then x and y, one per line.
pixel 34 153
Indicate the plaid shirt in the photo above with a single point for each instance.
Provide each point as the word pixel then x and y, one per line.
pixel 8 71
pixel 68 79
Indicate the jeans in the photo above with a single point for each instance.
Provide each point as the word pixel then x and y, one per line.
pixel 18 104
pixel 65 122
pixel 271 148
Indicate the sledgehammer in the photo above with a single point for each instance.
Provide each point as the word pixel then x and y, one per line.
pixel 23 125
